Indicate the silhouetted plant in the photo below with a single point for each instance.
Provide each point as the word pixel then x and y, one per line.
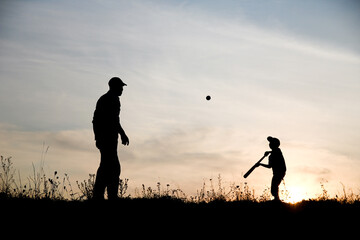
pixel 6 175
pixel 67 187
pixel 324 195
pixel 123 186
pixel 266 195
pixel 87 187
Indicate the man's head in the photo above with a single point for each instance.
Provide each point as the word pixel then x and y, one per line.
pixel 274 143
pixel 116 85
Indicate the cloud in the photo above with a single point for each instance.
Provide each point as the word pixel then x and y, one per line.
pixel 169 55
pixel 57 58
pixel 181 156
pixel 319 172
pixel 185 147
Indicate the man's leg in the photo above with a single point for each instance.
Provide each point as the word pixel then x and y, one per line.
pixel 100 184
pixel 113 185
pixel 102 174
pixel 113 170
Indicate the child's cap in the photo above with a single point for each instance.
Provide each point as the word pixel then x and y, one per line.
pixel 274 141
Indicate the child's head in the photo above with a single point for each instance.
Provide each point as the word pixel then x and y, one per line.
pixel 273 142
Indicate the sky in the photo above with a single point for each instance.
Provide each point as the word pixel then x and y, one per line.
pixel 287 69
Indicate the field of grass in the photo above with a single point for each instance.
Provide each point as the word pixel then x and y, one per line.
pixel 52 202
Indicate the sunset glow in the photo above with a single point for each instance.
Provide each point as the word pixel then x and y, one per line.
pixel 296 194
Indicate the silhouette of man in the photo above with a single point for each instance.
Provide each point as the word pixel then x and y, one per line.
pixel 277 163
pixel 106 126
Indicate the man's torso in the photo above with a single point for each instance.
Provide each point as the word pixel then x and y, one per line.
pixel 106 117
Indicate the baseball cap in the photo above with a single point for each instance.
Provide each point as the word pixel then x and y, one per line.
pixel 116 81
pixel 274 141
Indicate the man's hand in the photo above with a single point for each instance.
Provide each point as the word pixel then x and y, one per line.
pixel 98 144
pixel 124 139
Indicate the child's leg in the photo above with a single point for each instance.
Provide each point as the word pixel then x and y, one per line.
pixel 275 182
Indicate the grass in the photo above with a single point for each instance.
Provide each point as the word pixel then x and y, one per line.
pixel 56 187
pixel 59 188
pixel 54 202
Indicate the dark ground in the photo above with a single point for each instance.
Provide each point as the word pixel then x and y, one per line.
pixel 174 218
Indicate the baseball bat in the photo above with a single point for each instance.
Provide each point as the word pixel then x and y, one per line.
pixel 253 167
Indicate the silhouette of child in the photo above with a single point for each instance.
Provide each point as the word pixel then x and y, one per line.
pixel 277 163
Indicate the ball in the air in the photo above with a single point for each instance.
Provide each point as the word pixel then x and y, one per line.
pixel 208 97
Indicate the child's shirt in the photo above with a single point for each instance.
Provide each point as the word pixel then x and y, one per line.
pixel 277 162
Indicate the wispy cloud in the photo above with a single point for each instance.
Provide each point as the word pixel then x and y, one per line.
pixel 56 60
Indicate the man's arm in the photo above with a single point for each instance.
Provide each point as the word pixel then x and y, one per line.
pixel 124 137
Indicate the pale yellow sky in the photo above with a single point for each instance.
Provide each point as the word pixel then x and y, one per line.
pixel 268 74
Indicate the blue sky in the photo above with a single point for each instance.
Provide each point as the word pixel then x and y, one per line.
pixel 289 69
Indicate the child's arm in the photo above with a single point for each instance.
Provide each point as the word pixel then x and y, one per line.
pixel 266 165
